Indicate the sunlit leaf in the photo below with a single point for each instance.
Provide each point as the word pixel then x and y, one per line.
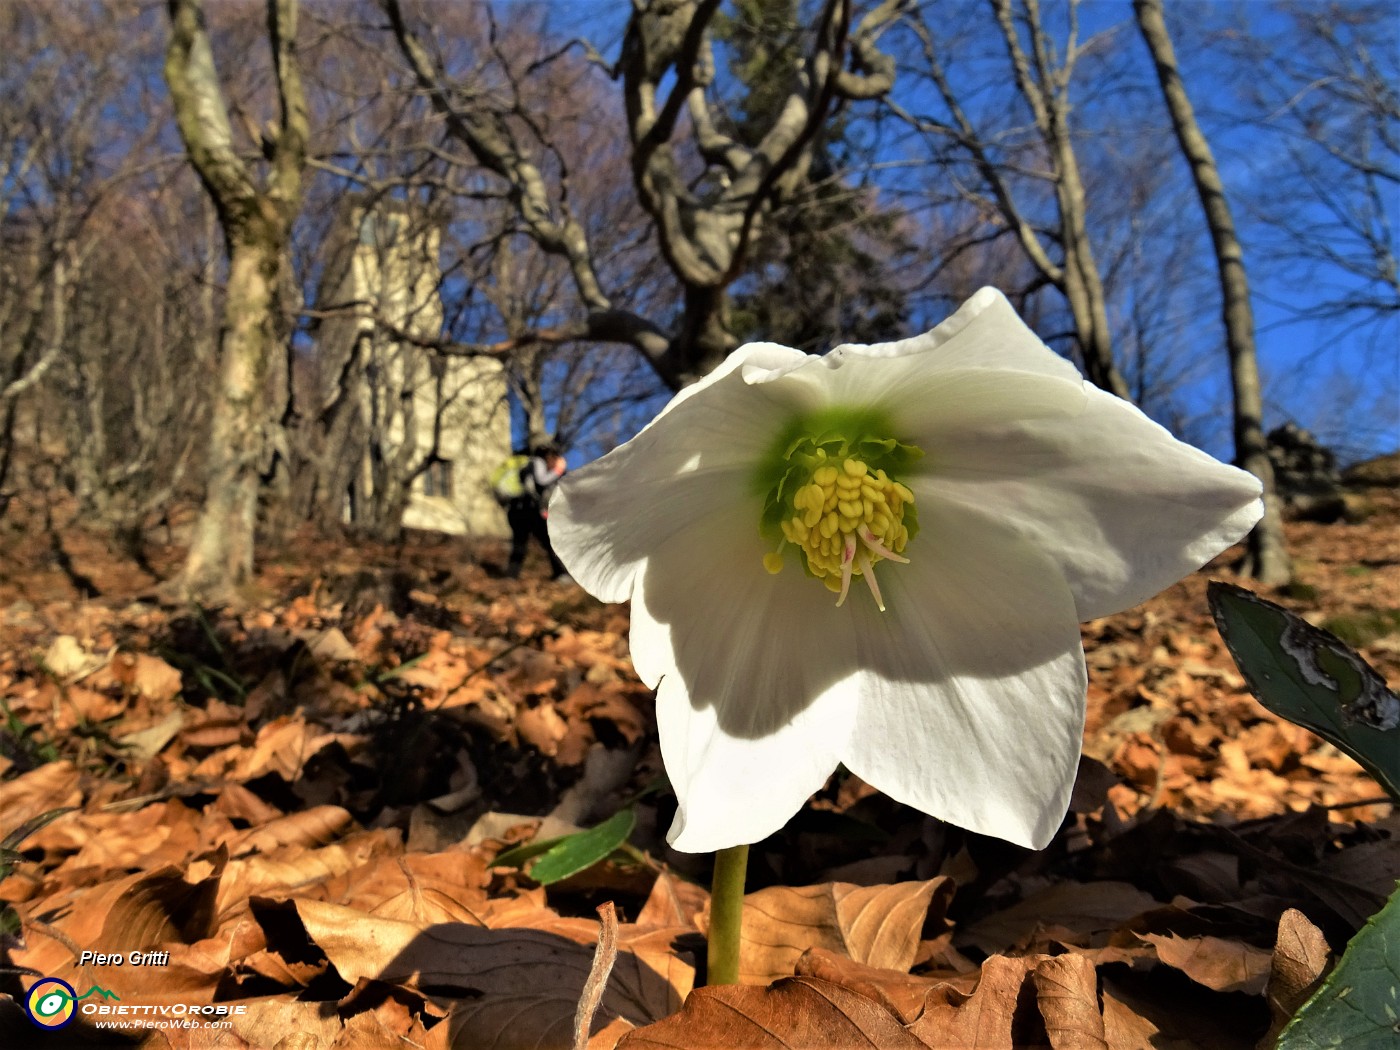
pixel 518 856
pixel 1357 1006
pixel 573 853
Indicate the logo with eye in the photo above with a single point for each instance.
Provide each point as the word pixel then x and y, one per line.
pixel 50 1002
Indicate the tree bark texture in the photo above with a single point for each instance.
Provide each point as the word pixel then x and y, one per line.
pixel 222 547
pixel 1045 88
pixel 256 224
pixel 1268 559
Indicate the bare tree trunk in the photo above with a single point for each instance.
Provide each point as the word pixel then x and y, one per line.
pixel 256 225
pixel 1046 91
pixel 221 550
pixel 1083 286
pixel 1268 559
pixel 333 445
pixel 527 383
pixel 37 350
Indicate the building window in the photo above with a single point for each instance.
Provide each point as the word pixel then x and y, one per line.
pixel 437 479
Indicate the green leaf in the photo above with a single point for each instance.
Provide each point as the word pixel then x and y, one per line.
pixel 9 852
pixel 1312 678
pixel 1358 1006
pixel 516 856
pixel 10 856
pixel 562 857
pixel 402 668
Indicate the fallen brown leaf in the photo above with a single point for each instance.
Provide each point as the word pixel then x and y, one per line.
pixel 796 1013
pixel 876 925
pixel 542 968
pixel 954 1020
pixel 138 913
pixel 298 869
pixel 307 828
pixel 278 1022
pixel 1301 956
pixel 1068 996
pixel 1086 908
pixel 1219 964
pixel 673 902
pixel 51 786
pixel 902 994
pixel 146 675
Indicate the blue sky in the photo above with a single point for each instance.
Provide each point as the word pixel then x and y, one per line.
pixel 1342 380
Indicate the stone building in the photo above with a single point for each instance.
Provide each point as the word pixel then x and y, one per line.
pixel 429 428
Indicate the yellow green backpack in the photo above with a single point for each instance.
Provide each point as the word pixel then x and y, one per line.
pixel 506 482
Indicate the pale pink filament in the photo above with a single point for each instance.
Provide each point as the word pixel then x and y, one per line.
pixel 868 571
pixel 853 555
pixel 848 553
pixel 876 547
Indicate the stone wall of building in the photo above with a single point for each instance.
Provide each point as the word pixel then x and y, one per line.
pixel 406 390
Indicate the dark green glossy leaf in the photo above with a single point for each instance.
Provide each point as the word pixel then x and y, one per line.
pixel 1312 678
pixel 1358 1006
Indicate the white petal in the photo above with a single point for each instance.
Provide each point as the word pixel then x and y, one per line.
pixel 1122 507
pixel 607 516
pixel 980 366
pixel 755 700
pixel 985 332
pixel 973 684
pixel 734 789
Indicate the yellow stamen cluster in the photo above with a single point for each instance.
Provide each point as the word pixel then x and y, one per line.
pixel 842 503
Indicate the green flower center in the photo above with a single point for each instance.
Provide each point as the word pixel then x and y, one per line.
pixel 831 488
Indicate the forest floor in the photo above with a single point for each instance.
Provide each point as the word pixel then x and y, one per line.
pixel 293 808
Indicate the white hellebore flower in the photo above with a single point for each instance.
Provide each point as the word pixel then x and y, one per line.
pixel 957 684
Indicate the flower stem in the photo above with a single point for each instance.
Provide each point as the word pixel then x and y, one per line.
pixel 726 914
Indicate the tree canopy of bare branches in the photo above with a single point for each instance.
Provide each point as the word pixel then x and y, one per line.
pixel 602 205
pixel 707 194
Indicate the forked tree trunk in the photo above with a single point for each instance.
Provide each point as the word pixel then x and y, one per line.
pixel 1268 559
pixel 256 224
pixel 1046 90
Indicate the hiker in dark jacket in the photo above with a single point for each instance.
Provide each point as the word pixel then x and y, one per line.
pixel 526 513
